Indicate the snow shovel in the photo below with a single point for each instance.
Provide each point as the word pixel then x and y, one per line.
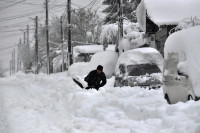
pixel 78 83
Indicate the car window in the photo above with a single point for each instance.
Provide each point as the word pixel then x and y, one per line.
pixel 122 69
pixel 142 69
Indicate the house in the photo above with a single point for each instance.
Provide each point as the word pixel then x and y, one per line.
pixel 158 17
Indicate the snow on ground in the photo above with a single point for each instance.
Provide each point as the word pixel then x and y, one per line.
pixel 54 104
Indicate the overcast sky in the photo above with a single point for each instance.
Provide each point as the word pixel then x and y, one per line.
pixel 16 14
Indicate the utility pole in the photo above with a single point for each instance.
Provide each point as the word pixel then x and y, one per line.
pixel 17 57
pixel 20 45
pixel 69 32
pixel 120 24
pixel 62 41
pixel 28 37
pixel 13 61
pixel 36 44
pixel 11 67
pixel 47 38
pixel 24 38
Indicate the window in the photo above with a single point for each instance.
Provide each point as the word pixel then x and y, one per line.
pixel 142 69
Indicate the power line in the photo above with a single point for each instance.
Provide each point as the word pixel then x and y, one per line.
pixel 8 47
pixel 27 3
pixel 24 15
pixel 15 24
pixel 89 4
pixel 12 5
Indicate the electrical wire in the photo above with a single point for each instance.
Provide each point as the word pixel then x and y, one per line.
pixel 5 7
pixel 8 47
pixel 23 3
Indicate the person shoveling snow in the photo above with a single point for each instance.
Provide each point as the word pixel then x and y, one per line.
pixel 95 79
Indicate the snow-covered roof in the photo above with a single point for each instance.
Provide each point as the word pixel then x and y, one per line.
pixel 140 56
pixel 187 43
pixel 92 48
pixel 169 12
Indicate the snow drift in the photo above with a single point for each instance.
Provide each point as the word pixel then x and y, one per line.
pixel 107 59
pixel 54 104
pixel 186 43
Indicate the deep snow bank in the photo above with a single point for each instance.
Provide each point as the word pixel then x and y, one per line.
pixel 107 59
pixel 187 43
pixel 54 104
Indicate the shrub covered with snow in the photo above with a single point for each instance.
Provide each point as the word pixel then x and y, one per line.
pixel 186 43
pixel 132 38
pixel 187 23
pixel 109 33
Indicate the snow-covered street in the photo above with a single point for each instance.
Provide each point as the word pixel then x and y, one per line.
pixel 54 104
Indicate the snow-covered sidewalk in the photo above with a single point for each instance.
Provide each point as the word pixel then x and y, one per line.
pixel 54 104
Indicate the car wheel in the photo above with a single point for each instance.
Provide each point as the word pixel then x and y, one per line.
pixel 190 98
pixel 167 98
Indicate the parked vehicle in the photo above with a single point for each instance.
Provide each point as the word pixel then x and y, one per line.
pixel 85 52
pixel 139 67
pixel 176 85
pixel 182 66
pixel 83 57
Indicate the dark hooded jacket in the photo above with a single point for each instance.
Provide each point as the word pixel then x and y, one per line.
pixel 95 80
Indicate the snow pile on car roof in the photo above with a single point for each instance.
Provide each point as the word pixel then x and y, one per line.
pixel 91 49
pixel 168 12
pixel 187 44
pixel 140 56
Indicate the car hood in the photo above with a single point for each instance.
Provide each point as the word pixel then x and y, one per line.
pixel 144 80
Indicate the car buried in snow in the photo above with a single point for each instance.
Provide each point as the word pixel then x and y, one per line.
pixel 177 86
pixel 139 67
pixel 182 66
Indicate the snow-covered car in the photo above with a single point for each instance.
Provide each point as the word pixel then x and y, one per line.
pixel 182 66
pixel 83 57
pixel 176 85
pixel 139 67
pixel 85 52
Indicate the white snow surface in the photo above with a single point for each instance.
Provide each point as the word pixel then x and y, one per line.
pixel 140 56
pixel 54 104
pixel 169 12
pixel 187 43
pixel 93 48
pixel 107 59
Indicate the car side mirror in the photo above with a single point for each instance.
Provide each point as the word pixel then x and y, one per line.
pixel 182 74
